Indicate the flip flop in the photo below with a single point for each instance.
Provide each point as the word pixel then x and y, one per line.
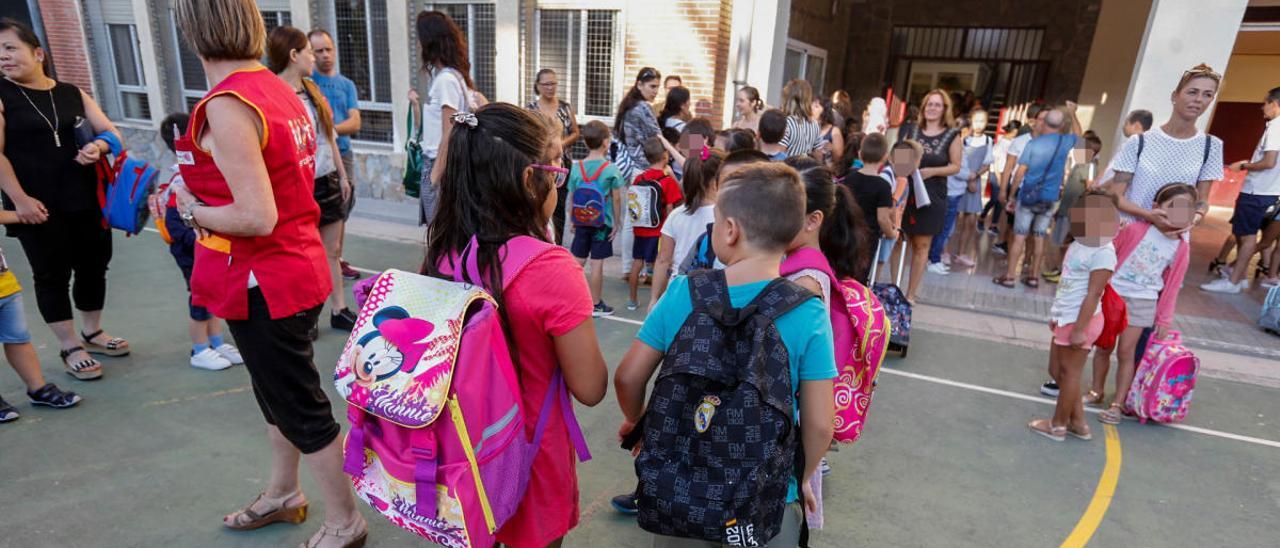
pixel 1086 435
pixel 1004 281
pixel 1045 428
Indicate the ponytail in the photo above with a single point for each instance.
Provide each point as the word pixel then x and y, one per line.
pixel 843 235
pixel 699 176
pixel 323 113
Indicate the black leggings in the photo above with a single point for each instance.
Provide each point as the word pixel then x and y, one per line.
pixel 279 357
pixel 68 243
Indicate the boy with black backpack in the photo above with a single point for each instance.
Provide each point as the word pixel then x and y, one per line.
pixel 743 404
pixel 595 204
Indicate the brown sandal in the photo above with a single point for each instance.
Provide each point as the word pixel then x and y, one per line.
pixel 114 347
pixel 353 536
pixel 83 370
pixel 294 515
pixel 1004 281
pixel 1032 282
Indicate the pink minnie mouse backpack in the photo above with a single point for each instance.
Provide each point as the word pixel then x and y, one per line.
pixel 861 331
pixel 437 442
pixel 1165 381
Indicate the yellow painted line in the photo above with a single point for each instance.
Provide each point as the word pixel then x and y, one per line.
pixel 1093 515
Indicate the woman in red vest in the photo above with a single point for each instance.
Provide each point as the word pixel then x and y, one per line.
pixel 248 160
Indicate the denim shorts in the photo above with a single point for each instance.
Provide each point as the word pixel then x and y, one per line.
pixel 1033 219
pixel 591 242
pixel 13 323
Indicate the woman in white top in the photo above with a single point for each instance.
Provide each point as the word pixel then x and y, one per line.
pixel 290 55
pixel 803 135
pixel 1176 152
pixel 444 57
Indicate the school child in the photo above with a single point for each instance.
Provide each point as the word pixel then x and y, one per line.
pixel 19 351
pixel 759 211
pixel 833 226
pixel 1076 318
pixel 773 127
pixel 1080 178
pixel 653 188
pixel 873 190
pixel 595 201
pixel 1151 267
pixel 209 351
pixel 688 221
pixel 505 160
pixel 904 162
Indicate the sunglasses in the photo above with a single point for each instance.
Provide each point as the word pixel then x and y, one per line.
pixel 562 174
pixel 647 74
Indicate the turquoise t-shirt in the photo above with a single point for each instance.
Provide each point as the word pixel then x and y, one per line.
pixel 805 330
pixel 609 180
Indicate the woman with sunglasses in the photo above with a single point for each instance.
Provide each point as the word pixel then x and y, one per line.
pixel 502 196
pixel 1175 152
pixel 553 108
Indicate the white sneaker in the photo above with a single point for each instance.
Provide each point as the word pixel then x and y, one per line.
pixel 231 353
pixel 209 359
pixel 1223 285
pixel 938 268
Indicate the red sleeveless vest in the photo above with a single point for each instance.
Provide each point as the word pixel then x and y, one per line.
pixel 289 264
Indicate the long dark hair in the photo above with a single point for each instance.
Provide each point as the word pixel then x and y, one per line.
pixel 281 43
pixel 483 192
pixel 843 236
pixel 443 44
pixel 677 98
pixel 633 98
pixel 28 37
pixel 699 177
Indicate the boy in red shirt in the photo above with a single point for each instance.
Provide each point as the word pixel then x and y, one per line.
pixel 649 201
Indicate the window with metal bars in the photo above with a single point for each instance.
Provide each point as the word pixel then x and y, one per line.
pixel 478 26
pixel 191 76
pixel 274 19
pixel 580 45
pixel 364 56
pixel 131 84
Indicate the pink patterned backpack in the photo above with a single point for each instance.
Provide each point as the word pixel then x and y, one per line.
pixel 861 332
pixel 1165 381
pixel 437 441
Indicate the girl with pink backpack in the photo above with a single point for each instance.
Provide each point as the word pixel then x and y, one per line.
pixel 827 258
pixel 1150 267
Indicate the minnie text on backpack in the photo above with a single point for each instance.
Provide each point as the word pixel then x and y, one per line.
pixel 1165 381
pixel 861 332
pixel 720 440
pixel 588 201
pixel 645 202
pixel 437 441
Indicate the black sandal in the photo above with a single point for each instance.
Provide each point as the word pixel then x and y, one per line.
pixel 83 370
pixel 51 396
pixel 1215 264
pixel 1032 282
pixel 7 412
pixel 115 347
pixel 1004 281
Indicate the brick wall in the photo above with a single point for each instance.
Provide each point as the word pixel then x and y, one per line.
pixel 64 28
pixel 689 38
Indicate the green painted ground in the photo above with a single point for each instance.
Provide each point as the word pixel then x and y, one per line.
pixel 160 451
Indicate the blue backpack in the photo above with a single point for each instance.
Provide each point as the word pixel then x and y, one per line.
pixel 124 186
pixel 702 256
pixel 588 202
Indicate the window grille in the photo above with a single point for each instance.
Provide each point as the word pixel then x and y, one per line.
pixel 130 81
pixel 364 56
pixel 580 45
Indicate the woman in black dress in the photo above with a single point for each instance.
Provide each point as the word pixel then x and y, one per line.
pixel 52 185
pixel 936 133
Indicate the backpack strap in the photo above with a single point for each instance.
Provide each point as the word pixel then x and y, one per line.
pixel 582 167
pixel 558 389
pixel 806 258
pixel 779 297
pixel 709 292
pixel 1208 140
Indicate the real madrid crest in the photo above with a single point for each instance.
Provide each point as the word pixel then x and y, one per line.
pixel 706 410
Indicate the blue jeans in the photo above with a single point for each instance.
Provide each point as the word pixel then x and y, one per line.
pixel 948 225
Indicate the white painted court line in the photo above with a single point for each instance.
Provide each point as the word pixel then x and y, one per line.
pixel 1035 399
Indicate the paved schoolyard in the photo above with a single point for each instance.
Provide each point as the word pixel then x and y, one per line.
pixel 159 451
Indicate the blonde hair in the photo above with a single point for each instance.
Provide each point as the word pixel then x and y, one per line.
pixel 797 99
pixel 1199 71
pixel 222 30
pixel 948 119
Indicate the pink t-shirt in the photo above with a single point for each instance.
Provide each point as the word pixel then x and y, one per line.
pixel 549 298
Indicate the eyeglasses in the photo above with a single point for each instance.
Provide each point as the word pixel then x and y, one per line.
pixel 561 173
pixel 548 84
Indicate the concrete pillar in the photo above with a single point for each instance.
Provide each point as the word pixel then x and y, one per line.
pixel 300 11
pixel 1175 35
pixel 757 47
pixel 401 77
pixel 506 57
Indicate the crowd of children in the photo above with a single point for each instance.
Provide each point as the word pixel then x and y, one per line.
pixel 750 237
